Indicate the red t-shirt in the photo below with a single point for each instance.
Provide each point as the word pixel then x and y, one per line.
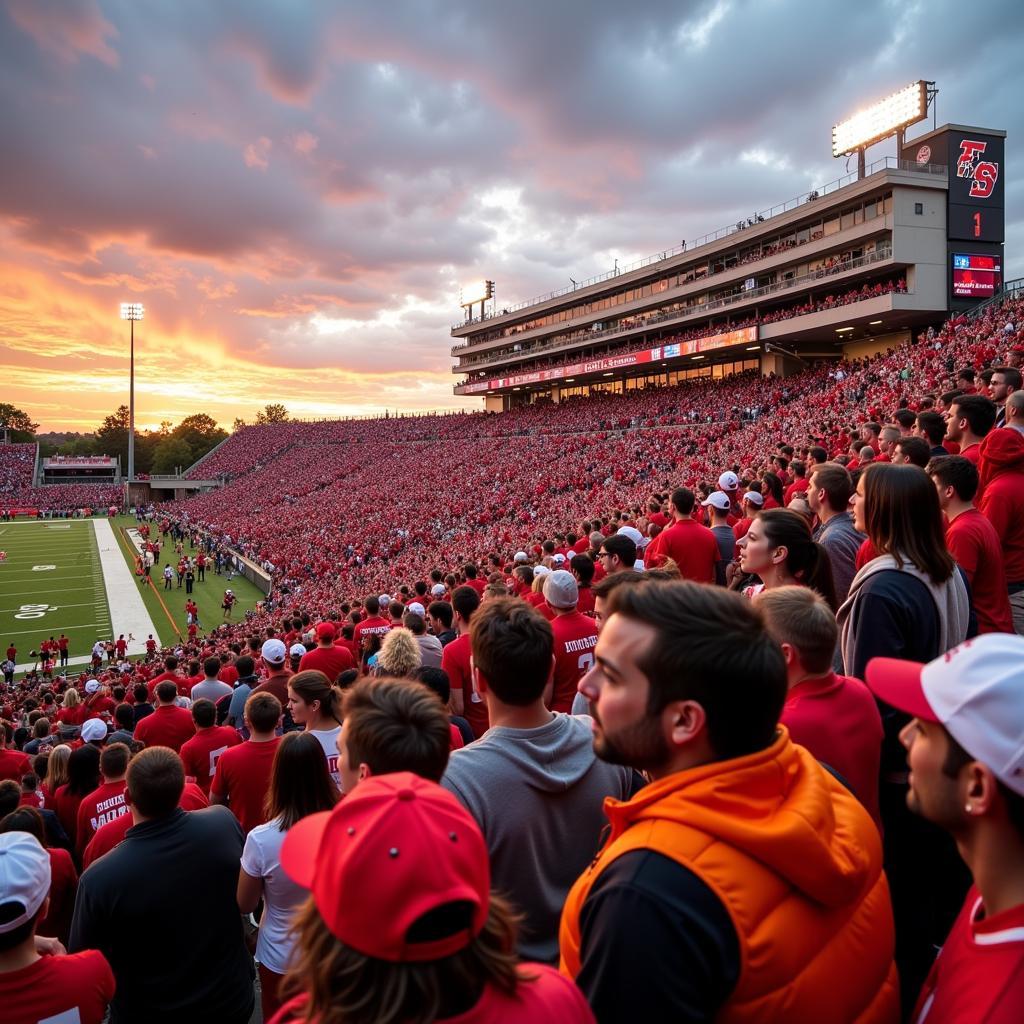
pixel 201 753
pixel 972 453
pixel 77 988
pixel 456 738
pixel 243 778
pixel 111 834
pixel 65 806
pixel 228 674
pixel 978 977
pixel 63 886
pixel 373 624
pixel 837 720
pixel 585 604
pixel 181 682
pixel 973 542
pixel 168 726
pixel 796 487
pixel 1003 504
pixel 14 765
pixel 692 547
pixel 103 804
pixel 575 639
pixel 478 585
pixel 550 998
pixel 865 553
pixel 332 661
pixel 455 661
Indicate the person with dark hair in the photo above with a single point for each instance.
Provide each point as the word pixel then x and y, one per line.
pixel 373 625
pixel 14 763
pixel 743 857
pixel 691 545
pixel 1004 382
pixel 968 421
pixel 35 986
pixel 967 778
pixel 242 776
pixel 829 498
pixel 210 687
pixel 833 716
pixel 178 870
pixel 56 921
pixel 533 780
pixel 247 680
pixel 169 725
pixel 391 725
pixel 83 778
pixel 973 541
pixel 416 935
pixel 912 451
pixel 327 657
pixel 932 427
pixel 201 753
pixel 141 707
pixel 107 801
pixel 771 488
pixel 618 554
pixel 299 786
pixel 778 548
pixel 440 615
pixel 909 602
pixel 465 701
pixel 315 705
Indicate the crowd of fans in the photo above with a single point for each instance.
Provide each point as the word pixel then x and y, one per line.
pixel 17 467
pixel 652 667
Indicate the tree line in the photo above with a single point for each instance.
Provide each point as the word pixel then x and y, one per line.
pixel 164 450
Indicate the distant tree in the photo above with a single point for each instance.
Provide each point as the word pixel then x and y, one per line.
pixel 200 432
pixel 18 423
pixel 273 413
pixel 112 436
pixel 171 453
pixel 238 425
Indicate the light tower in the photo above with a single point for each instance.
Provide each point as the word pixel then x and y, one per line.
pixel 131 311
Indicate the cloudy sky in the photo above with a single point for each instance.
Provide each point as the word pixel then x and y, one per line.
pixel 297 190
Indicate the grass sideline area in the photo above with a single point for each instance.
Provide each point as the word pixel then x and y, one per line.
pixel 51 582
pixel 167 607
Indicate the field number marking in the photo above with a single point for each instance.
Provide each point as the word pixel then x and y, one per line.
pixel 32 611
pixel 43 568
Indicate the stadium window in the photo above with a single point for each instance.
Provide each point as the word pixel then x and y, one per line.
pixel 888 202
pixel 832 226
pixel 918 209
pixel 846 219
pixel 802 236
pixel 858 214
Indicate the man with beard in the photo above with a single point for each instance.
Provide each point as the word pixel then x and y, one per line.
pixel 744 881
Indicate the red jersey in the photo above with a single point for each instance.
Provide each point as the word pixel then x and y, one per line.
pixel 201 753
pixel 77 987
pixel 692 547
pixel 14 765
pixel 12 653
pixel 150 646
pixel 972 453
pixel 478 585
pixel 121 646
pixel 168 726
pixel 375 625
pixel 228 674
pixel 184 690
pixel 455 661
pixel 242 777
pixel 111 834
pixel 575 639
pixel 798 486
pixel 103 804
pixel 585 602
pixel 63 886
pixel 332 661
pixel 65 806
pixel 978 977
pixel 837 720
pixel 973 542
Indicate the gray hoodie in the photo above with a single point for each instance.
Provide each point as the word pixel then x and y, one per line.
pixel 537 795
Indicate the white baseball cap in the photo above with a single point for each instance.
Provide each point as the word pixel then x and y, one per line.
pixel 94 729
pixel 24 876
pixel 728 481
pixel 719 500
pixel 633 534
pixel 297 650
pixel 754 497
pixel 384 600
pixel 92 685
pixel 417 609
pixel 437 590
pixel 541 570
pixel 521 556
pixel 558 558
pixel 561 589
pixel 975 691
pixel 273 650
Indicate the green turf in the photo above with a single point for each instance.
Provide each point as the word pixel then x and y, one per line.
pixel 207 595
pixel 51 583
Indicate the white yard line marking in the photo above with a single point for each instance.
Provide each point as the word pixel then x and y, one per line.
pixel 125 602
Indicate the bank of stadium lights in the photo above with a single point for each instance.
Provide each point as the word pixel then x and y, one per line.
pixel 131 311
pixel 882 119
pixel 476 291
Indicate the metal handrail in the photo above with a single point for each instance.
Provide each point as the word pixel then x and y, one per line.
pixel 883 163
pixel 878 256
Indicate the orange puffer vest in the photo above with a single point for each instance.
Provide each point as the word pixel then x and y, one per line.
pixel 797 863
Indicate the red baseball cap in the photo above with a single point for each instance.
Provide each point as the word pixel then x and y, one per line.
pixel 326 631
pixel 395 848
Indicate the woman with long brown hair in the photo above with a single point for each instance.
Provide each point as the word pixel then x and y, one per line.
pixel 299 786
pixel 400 926
pixel 910 602
pixel 316 705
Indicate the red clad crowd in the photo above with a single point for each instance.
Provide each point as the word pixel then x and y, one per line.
pixel 718 686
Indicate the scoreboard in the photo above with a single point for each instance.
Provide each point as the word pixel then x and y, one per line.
pixel 976 275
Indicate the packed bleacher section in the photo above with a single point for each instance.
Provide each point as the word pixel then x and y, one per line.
pixel 17 464
pixel 768 857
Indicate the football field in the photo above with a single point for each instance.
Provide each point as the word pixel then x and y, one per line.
pixel 51 582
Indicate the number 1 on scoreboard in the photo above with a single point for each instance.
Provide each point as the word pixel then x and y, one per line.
pixel 977 224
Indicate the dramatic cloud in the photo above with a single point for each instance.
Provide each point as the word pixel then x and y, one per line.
pixel 296 191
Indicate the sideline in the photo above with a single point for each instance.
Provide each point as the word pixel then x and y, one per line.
pixel 128 612
pixel 125 538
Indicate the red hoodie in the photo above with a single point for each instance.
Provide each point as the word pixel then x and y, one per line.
pixel 1001 469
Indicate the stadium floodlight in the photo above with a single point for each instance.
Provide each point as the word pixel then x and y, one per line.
pixel 887 117
pixel 131 311
pixel 477 291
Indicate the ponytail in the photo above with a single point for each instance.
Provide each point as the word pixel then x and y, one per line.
pixel 314 685
pixel 806 560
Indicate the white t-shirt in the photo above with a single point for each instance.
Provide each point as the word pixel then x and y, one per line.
pixel 261 858
pixel 328 739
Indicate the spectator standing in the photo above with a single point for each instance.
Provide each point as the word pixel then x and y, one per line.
pixel 828 495
pixel 315 705
pixel 83 778
pixel 969 420
pixel 242 776
pixel 967 770
pixel 35 986
pixel 171 866
pixel 532 783
pixel 1005 381
pixel 299 786
pixel 13 763
pixel 465 701
pixel 244 685
pixel 107 801
pixel 201 753
pixel 575 636
pixel 719 507
pixel 326 657
pixel 169 725
pixel 275 656
pixel 431 648
pixel 424 939
pixel 691 545
pixel 739 835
